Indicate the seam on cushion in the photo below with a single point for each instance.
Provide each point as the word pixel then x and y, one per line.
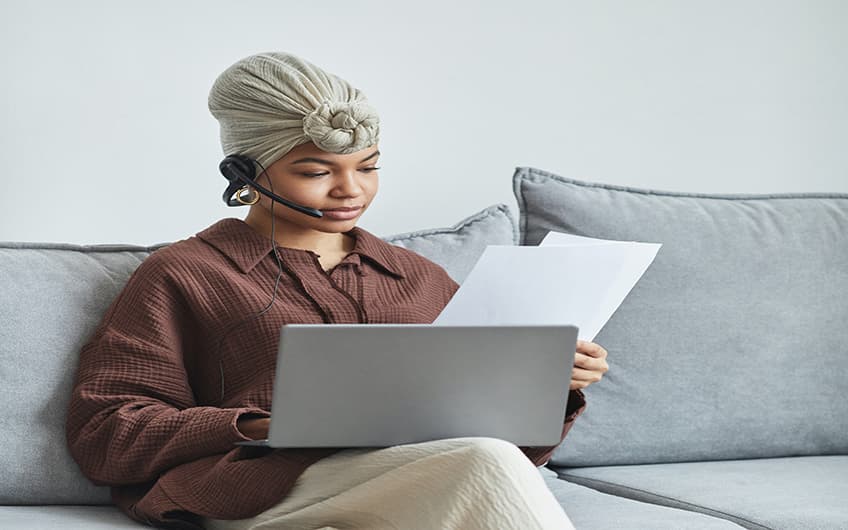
pixel 654 498
pixel 87 249
pixel 530 171
pixel 517 178
pixel 468 221
pixel 516 235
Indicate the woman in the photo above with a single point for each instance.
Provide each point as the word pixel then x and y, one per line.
pixel 181 366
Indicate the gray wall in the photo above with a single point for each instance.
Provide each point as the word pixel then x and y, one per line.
pixel 105 135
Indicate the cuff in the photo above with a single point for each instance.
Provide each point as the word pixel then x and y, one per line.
pixel 576 404
pixel 222 432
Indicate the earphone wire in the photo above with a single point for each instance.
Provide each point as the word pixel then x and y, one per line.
pixel 273 243
pixel 276 281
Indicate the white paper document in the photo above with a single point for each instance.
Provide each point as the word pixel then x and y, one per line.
pixel 567 279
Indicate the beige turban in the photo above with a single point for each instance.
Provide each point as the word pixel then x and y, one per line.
pixel 269 103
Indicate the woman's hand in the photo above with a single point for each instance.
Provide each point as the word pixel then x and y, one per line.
pixel 254 428
pixel 590 364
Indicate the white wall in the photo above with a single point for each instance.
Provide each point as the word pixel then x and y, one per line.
pixel 105 136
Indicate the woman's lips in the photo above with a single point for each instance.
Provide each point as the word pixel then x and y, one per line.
pixel 342 215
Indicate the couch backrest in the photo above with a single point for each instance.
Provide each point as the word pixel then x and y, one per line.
pixel 734 344
pixel 52 298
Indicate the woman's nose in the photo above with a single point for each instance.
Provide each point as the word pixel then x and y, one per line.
pixel 348 181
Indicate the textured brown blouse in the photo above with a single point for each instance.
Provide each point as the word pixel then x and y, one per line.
pixel 180 355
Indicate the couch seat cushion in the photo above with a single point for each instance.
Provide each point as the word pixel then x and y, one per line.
pixel 803 492
pixel 66 518
pixel 589 509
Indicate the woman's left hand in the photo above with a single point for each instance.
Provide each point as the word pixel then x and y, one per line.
pixel 590 364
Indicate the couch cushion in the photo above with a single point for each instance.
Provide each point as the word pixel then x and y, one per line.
pixel 459 247
pixel 589 509
pixel 734 343
pixel 792 493
pixel 66 518
pixel 54 296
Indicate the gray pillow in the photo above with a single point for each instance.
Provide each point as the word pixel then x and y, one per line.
pixel 52 298
pixel 459 247
pixel 734 344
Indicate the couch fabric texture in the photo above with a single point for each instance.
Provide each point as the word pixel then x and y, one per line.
pixel 728 359
pixel 761 493
pixel 733 343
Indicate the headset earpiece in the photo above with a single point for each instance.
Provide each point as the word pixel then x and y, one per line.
pixel 239 171
pixel 236 168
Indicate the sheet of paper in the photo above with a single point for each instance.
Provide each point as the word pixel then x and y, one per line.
pixel 580 282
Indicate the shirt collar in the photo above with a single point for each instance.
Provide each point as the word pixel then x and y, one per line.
pixel 246 247
pixel 376 250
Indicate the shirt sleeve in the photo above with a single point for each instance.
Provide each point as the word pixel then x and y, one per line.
pixel 132 412
pixel 576 405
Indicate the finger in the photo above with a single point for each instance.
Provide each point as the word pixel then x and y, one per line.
pixel 591 349
pixel 584 361
pixel 593 365
pixel 575 385
pixel 579 374
pixel 590 363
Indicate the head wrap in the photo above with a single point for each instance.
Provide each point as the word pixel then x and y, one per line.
pixel 269 103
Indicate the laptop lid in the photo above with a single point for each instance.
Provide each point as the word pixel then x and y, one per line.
pixel 378 385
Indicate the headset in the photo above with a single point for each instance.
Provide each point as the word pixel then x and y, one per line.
pixel 240 171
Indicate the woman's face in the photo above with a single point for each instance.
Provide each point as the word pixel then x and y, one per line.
pixel 317 179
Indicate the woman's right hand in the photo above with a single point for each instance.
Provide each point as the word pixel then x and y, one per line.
pixel 254 428
pixel 590 364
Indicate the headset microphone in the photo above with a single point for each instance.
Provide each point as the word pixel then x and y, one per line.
pixel 240 171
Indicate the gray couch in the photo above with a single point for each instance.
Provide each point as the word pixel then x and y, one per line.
pixel 724 407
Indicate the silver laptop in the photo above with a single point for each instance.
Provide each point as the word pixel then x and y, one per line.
pixel 378 385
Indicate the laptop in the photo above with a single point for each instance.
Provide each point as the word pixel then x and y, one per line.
pixel 379 385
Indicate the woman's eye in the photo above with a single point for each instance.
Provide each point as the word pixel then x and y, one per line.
pixel 366 169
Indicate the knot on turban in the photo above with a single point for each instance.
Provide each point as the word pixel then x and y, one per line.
pixel 269 103
pixel 341 127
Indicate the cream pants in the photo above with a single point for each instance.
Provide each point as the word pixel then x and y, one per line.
pixel 458 483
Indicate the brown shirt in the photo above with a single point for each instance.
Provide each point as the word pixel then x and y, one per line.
pixel 180 355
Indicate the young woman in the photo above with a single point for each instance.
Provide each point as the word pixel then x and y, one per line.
pixel 182 364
